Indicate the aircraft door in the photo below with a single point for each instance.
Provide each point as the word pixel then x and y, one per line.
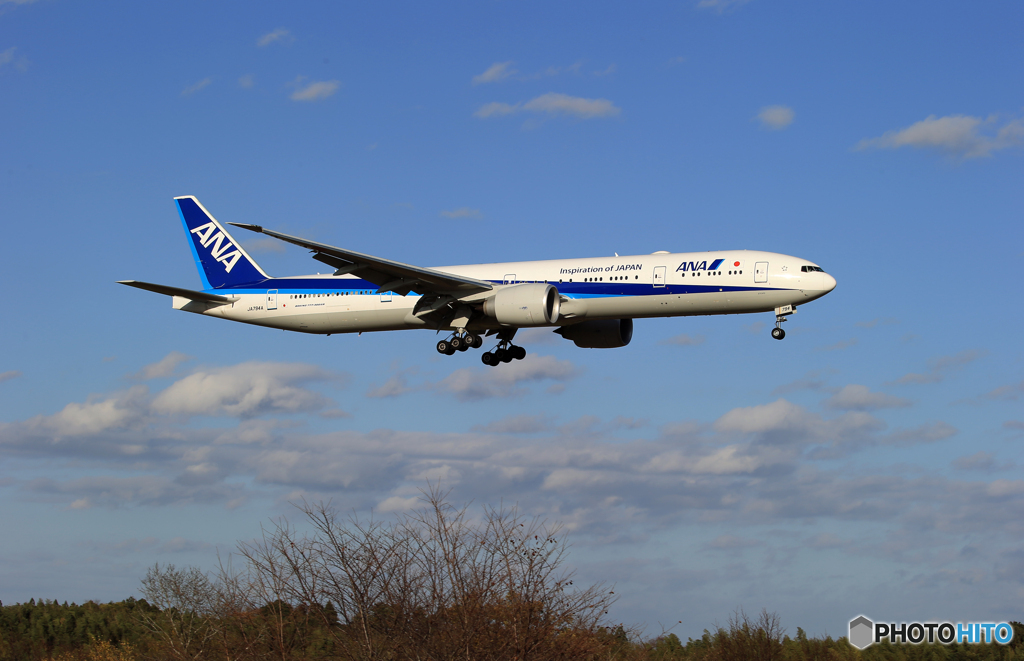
pixel 761 272
pixel 272 299
pixel 510 278
pixel 385 297
pixel 659 276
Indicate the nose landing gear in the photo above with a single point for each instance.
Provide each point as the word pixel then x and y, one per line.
pixel 780 316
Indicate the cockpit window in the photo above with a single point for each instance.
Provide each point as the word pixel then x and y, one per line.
pixel 812 269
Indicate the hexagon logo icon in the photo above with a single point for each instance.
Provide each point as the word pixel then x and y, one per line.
pixel 861 632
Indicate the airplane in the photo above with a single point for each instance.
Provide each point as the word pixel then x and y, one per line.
pixel 591 301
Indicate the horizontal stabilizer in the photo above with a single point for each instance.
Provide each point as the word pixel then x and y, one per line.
pixel 178 291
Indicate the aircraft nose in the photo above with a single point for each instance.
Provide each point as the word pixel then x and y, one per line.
pixel 828 282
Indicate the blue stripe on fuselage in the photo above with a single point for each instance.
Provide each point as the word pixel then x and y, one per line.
pixel 571 289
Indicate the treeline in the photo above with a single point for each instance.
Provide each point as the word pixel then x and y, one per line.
pixel 432 585
pixel 118 631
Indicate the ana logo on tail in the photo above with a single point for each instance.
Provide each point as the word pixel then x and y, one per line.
pixel 209 234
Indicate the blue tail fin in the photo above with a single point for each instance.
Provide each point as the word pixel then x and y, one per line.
pixel 221 260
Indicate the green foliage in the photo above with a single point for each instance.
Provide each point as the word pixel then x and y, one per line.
pixel 43 629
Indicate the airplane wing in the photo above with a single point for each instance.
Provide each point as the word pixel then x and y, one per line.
pixel 178 291
pixel 386 274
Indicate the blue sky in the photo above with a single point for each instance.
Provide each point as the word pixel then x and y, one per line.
pixel 870 463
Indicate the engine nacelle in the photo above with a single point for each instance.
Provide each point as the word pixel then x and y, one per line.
pixel 599 333
pixel 529 304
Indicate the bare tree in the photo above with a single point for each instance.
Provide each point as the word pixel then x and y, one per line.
pixel 747 639
pixel 186 621
pixel 432 584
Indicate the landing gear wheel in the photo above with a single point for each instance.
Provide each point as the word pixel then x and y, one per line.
pixel 488 359
pixel 778 333
pixel 518 353
pixel 498 356
pixel 474 341
pixel 508 355
pixel 456 343
pixel 442 346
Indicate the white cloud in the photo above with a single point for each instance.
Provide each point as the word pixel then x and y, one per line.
pixel 7 56
pixel 839 346
pixel 554 104
pixel 721 6
pixel 926 433
pixel 244 390
pixel 247 81
pixel 1011 392
pixel 399 504
pixel 684 340
pixel 495 108
pixel 729 542
pixel 960 136
pixel 133 490
pixel 810 381
pixel 728 460
pixel 504 381
pixel 940 366
pixel 1005 488
pixel 916 378
pixel 316 90
pixel 163 368
pixel 779 415
pixel 281 35
pixel 497 71
pixel 192 89
pixel 517 424
pixel 943 363
pixel 8 375
pixel 981 460
pixel 860 398
pixel 122 410
pixel 395 386
pixel 563 104
pixel 462 212
pixel 776 118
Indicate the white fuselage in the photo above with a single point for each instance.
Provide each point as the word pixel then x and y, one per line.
pixel 656 285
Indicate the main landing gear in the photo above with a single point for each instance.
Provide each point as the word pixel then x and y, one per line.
pixel 780 316
pixel 505 352
pixel 459 342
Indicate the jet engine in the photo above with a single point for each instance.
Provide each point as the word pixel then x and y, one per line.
pixel 599 333
pixel 528 304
